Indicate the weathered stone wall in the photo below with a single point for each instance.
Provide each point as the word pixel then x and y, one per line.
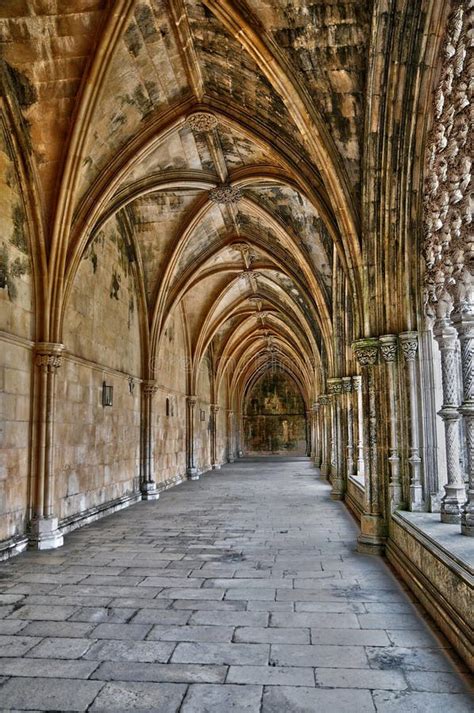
pixel 274 416
pixel 16 331
pixel 97 454
pixel 169 431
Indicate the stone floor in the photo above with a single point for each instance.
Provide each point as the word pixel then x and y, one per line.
pixel 240 592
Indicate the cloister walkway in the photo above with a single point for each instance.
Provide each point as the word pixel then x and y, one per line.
pixel 239 592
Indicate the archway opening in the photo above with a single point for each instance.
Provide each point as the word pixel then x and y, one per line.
pixel 274 416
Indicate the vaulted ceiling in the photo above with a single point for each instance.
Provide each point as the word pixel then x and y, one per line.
pixel 223 137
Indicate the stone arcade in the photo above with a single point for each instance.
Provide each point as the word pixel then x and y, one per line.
pixel 234 229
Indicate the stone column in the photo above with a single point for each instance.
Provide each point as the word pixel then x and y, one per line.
pixel 455 491
pixel 347 391
pixel 373 528
pixel 214 412
pixel 240 451
pixel 463 320
pixel 337 475
pixel 409 345
pixel 44 530
pixel 191 470
pixel 324 415
pixel 230 436
pixel 148 485
pixel 315 435
pixel 357 388
pixel 389 350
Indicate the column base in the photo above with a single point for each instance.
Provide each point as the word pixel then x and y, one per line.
pixel 416 498
pixel 149 491
pixel 467 515
pixel 216 466
pixel 371 540
pixel 192 473
pixel 240 454
pixel 452 504
pixel 44 534
pixel 324 469
pixel 230 459
pixel 395 491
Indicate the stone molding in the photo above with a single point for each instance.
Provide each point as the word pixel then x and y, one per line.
pixel 49 356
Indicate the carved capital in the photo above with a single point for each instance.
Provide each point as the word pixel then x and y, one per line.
pixel 409 345
pixel 48 356
pixel 215 408
pixel 323 400
pixel 388 347
pixel 202 121
pixel 149 387
pixel 225 194
pixel 357 383
pixel 335 386
pixel 347 384
pixel 191 401
pixel 366 351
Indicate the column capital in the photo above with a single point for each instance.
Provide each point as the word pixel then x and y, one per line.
pixel 388 347
pixel 334 385
pixel 315 407
pixel 409 345
pixel 366 350
pixel 215 408
pixel 357 383
pixel 323 399
pixel 149 387
pixel 49 355
pixel 191 401
pixel 347 384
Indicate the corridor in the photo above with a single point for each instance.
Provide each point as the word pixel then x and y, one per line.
pixel 239 592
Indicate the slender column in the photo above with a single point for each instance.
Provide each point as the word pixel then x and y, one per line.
pixel 409 345
pixel 148 485
pixel 191 470
pixel 337 475
pixel 373 529
pixel 315 435
pixel 44 531
pixel 214 412
pixel 347 391
pixel 230 438
pixel 455 492
pixel 463 320
pixel 357 387
pixel 325 465
pixel 389 349
pixel 240 451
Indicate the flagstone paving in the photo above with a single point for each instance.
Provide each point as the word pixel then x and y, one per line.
pixel 240 592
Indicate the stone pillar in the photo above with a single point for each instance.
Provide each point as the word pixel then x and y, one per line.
pixel 315 435
pixel 409 345
pixel 389 350
pixel 214 412
pixel 337 475
pixel 230 436
pixel 463 320
pixel 44 531
pixel 240 451
pixel 191 470
pixel 373 529
pixel 325 451
pixel 148 484
pixel 357 388
pixel 347 391
pixel 455 491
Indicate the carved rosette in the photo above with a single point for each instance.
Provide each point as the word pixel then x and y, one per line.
pixel 225 194
pixel 49 356
pixel 202 121
pixel 388 347
pixel 366 351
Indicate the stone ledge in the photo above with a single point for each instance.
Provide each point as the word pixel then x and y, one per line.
pixel 437 578
pixel 13 546
pixel 444 540
pixel 72 522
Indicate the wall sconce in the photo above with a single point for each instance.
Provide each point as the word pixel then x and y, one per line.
pixel 202 415
pixel 107 394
